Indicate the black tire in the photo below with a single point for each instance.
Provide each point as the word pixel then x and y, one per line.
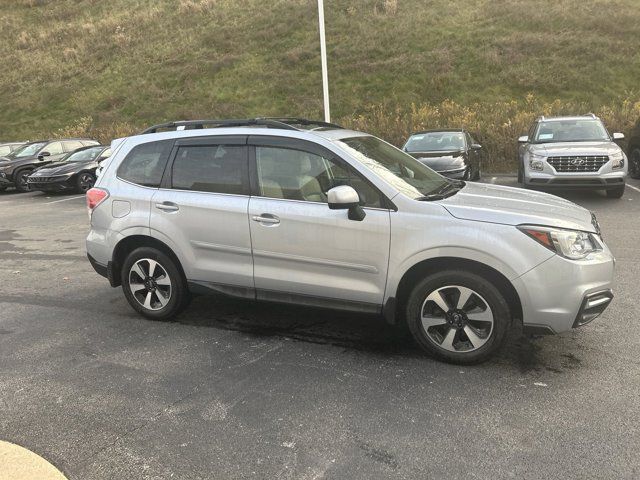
pixel 485 294
pixel 178 297
pixel 20 180
pixel 520 173
pixel 84 181
pixel 467 174
pixel 617 192
pixel 634 163
pixel 478 173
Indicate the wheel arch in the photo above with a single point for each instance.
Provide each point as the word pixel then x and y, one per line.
pixel 128 244
pixel 431 265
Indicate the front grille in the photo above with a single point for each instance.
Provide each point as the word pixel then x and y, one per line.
pixel 43 179
pixel 578 163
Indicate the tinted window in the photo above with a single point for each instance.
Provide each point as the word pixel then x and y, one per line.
pixel 4 150
pixel 144 165
pixel 84 155
pixel 54 148
pixel 299 175
pixel 570 131
pixel 435 142
pixel 73 145
pixel 211 168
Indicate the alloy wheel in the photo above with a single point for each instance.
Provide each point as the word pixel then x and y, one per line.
pixel 22 181
pixel 85 182
pixel 457 319
pixel 150 284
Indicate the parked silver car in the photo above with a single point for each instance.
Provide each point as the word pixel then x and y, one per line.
pixel 274 210
pixel 572 153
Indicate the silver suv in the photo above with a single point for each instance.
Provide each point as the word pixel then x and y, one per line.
pixel 304 212
pixel 572 153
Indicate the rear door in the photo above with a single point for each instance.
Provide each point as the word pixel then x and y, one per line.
pixel 201 211
pixel 303 251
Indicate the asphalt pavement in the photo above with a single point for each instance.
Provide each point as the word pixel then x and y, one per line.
pixel 238 389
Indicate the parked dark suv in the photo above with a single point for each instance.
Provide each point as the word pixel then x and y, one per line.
pixel 633 151
pixel 451 152
pixel 16 167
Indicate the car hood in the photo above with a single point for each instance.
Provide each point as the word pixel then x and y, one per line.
pixel 60 169
pixel 575 148
pixel 516 206
pixel 440 160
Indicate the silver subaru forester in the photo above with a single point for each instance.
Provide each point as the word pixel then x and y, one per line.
pixel 295 211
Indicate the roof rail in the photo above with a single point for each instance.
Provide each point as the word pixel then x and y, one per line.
pixel 284 123
pixel 540 118
pixel 592 115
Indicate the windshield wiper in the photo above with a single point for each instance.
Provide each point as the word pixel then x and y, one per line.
pixel 447 190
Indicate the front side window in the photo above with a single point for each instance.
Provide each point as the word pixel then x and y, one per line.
pixel 298 175
pixel 435 142
pixel 54 148
pixel 144 165
pixel 28 150
pixel 394 166
pixel 582 130
pixel 211 168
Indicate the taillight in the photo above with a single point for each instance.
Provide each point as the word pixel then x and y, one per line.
pixel 95 196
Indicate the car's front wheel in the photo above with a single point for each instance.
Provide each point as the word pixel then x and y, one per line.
pixel 84 182
pixel 21 177
pixel 458 316
pixel 153 284
pixel 634 163
pixel 617 192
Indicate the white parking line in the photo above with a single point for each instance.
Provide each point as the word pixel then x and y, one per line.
pixel 64 199
pixel 635 188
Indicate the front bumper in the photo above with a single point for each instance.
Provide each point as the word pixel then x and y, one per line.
pixel 47 184
pixel 605 178
pixel 561 294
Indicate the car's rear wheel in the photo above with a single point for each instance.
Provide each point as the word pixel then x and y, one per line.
pixel 20 180
pixel 85 182
pixel 634 163
pixel 616 192
pixel 457 316
pixel 153 284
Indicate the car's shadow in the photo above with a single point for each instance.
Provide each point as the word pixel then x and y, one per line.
pixel 369 334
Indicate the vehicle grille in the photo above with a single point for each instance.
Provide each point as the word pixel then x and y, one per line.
pixel 43 179
pixel 578 163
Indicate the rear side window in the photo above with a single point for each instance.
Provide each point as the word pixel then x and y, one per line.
pixel 54 148
pixel 4 150
pixel 144 165
pixel 211 168
pixel 72 145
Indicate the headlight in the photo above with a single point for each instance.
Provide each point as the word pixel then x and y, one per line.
pixel 536 162
pixel 572 244
pixel 617 160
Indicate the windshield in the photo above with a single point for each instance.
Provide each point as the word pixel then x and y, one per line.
pixel 27 150
pixel 394 166
pixel 570 131
pixel 84 155
pixel 435 142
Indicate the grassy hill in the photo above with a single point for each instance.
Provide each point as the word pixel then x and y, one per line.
pixel 118 65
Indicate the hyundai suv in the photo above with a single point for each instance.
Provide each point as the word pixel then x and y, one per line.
pixel 572 153
pixel 303 212
pixel 16 167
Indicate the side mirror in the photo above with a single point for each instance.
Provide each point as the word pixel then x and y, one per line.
pixel 476 146
pixel 345 197
pixel 618 136
pixel 43 154
pixel 523 139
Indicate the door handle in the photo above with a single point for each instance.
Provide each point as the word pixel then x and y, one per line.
pixel 167 207
pixel 266 218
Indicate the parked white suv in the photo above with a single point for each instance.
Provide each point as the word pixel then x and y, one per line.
pixel 572 153
pixel 304 212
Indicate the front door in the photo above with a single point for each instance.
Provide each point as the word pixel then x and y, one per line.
pixel 302 250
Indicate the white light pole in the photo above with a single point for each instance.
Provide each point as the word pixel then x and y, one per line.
pixel 323 56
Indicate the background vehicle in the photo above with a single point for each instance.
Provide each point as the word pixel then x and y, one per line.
pixel 7 148
pixel 633 151
pixel 451 152
pixel 571 153
pixel 16 167
pixel 75 172
pixel 340 219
